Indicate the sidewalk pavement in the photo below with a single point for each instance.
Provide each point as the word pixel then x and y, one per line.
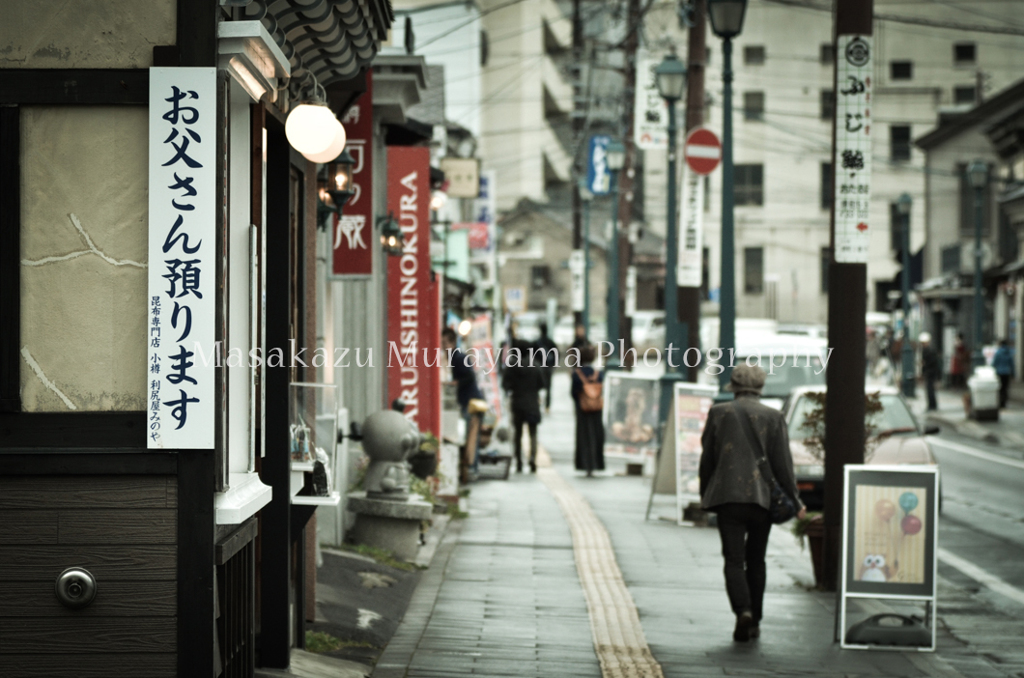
pixel 503 596
pixel 1008 431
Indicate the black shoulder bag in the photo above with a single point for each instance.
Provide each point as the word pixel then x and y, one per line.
pixel 781 505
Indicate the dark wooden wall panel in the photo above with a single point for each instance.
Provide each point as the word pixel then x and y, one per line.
pixel 115 599
pixel 116 563
pixel 88 635
pixel 108 526
pixel 91 666
pixel 94 492
pixel 28 527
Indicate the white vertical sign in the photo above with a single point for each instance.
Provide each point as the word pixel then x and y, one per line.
pixel 852 168
pixel 182 257
pixel 630 291
pixel 691 262
pixel 576 266
pixel 650 112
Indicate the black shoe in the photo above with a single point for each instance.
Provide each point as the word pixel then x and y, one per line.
pixel 519 467
pixel 755 632
pixel 533 466
pixel 744 621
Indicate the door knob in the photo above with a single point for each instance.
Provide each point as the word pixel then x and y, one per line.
pixel 76 588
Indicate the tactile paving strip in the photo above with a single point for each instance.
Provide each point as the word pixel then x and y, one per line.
pixel 618 637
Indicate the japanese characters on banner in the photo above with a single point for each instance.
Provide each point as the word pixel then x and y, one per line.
pixel 414 357
pixel 691 263
pixel 853 149
pixel 482 341
pixel 650 112
pixel 353 231
pixel 599 177
pixel 182 257
pixel 577 262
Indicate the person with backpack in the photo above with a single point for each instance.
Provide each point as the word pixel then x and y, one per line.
pixel 587 393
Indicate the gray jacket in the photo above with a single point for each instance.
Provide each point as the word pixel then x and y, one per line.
pixel 729 471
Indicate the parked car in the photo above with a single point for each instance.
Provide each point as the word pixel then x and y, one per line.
pixel 648 330
pixel 903 439
pixel 799 329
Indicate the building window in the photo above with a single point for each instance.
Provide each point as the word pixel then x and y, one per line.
pixel 753 105
pixel 967 205
pixel 950 258
pixel 825 261
pixel 895 228
pixel 899 142
pixel 753 55
pixel 827 54
pixel 540 277
pixel 828 104
pixel 827 185
pixel 964 53
pixel 748 181
pixel 753 270
pixel 966 94
pixel 901 70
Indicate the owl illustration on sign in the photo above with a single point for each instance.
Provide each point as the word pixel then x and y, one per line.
pixel 874 568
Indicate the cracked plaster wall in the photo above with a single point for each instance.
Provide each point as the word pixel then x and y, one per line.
pixel 84 244
pixel 84 33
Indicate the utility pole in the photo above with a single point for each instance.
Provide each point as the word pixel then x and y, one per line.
pixel 847 304
pixel 688 299
pixel 627 178
pixel 577 138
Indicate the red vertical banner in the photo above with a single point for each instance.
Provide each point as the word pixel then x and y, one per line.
pixel 414 356
pixel 353 231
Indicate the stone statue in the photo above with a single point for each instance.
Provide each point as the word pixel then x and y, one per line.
pixel 388 440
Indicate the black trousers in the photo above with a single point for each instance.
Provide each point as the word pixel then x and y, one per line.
pixel 929 385
pixel 744 530
pixel 517 437
pixel 1004 389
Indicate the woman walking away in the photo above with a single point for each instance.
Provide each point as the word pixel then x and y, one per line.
pixel 740 438
pixel 587 394
pixel 523 382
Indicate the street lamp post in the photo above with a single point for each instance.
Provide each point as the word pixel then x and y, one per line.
pixel 903 204
pixel 616 158
pixel 977 174
pixel 586 196
pixel 727 22
pixel 670 76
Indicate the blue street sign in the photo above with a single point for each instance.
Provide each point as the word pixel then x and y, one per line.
pixel 599 178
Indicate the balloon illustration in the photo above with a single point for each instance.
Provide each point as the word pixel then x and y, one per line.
pixel 885 509
pixel 908 501
pixel 910 525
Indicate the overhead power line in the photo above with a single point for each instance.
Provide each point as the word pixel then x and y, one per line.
pixel 917 21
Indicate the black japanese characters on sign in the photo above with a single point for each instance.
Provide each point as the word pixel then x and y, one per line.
pixel 853 150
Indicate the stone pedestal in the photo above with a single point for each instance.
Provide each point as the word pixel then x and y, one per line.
pixel 391 525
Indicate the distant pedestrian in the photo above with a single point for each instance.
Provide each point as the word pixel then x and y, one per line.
pixel 523 383
pixel 580 340
pixel 1002 361
pixel 548 361
pixel 587 393
pixel 462 374
pixel 931 368
pixel 732 485
pixel 960 363
pixel 873 350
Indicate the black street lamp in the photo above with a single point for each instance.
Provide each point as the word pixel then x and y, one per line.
pixel 670 76
pixel 615 156
pixel 727 22
pixel 903 204
pixel 977 174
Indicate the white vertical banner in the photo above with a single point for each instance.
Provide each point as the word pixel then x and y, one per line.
pixel 650 112
pixel 852 168
pixel 182 257
pixel 691 226
pixel 630 291
pixel 576 266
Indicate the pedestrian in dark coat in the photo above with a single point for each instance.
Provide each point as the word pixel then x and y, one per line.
pixel 732 485
pixel 589 426
pixel 931 368
pixel 547 360
pixel 1002 361
pixel 523 383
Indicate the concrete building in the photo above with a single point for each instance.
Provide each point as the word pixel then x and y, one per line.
pixel 928 62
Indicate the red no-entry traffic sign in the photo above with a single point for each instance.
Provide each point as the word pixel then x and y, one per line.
pixel 703 150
